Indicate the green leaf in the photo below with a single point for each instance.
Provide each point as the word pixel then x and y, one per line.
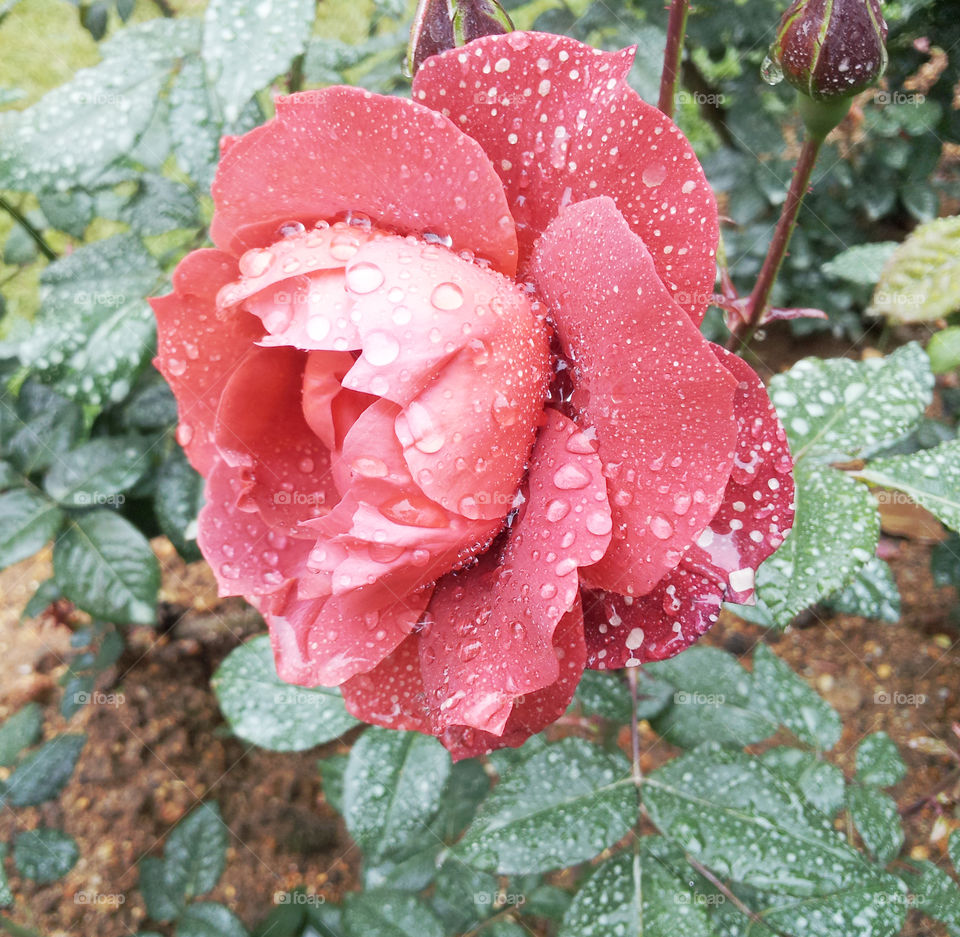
pixel 247 43
pixel 162 901
pixel 463 897
pixel 332 771
pixel 945 562
pixel 953 848
pixel 6 896
pixel 921 281
pixel 196 853
pixel 70 211
pixel 877 820
pixel 161 205
pixel 714 700
pixel 936 893
pixel 820 782
pixel 208 919
pixel 562 805
pixel 860 265
pixel 195 123
pixel 20 731
pixel 633 893
pixel 943 350
pixel 95 472
pixel 466 788
pixel 262 709
pixel 872 593
pixel 383 913
pixel 750 826
pixel 28 522
pixel 392 791
pixel 45 426
pixel 605 694
pixel 44 855
pixel 95 330
pixel 105 566
pixel 836 409
pixel 931 477
pixel 19 249
pixel 42 774
pixel 835 532
pixel 879 762
pixel 793 702
pixel 177 502
pixel 77 130
pixel 47 593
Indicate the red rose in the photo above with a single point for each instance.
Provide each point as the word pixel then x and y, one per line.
pixel 443 375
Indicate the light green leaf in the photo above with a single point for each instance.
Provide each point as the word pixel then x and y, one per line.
pixel 562 805
pixel 392 791
pixel 104 565
pixel 28 522
pixel 921 280
pixel 877 820
pixel 944 350
pixel 264 710
pixel 872 593
pixel 247 43
pixel 879 762
pixel 635 894
pixel 837 408
pixel 44 855
pixel 792 701
pixel 931 477
pixel 835 532
pixel 95 330
pixel 860 265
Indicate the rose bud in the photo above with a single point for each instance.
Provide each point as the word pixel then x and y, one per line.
pixel 831 49
pixel 437 28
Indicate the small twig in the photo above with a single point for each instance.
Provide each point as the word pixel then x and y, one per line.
pixel 295 75
pixel 21 220
pixel 760 296
pixel 673 54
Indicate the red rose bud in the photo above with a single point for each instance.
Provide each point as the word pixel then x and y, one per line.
pixel 831 49
pixel 438 28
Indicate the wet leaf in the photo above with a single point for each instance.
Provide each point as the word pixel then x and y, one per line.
pixel 563 804
pixel 28 522
pixel 877 820
pixel 262 709
pixel 194 856
pixel 862 264
pixel 43 773
pixel 96 471
pixel 879 762
pixel 44 855
pixel 177 502
pixel 872 593
pixel 819 781
pixel 208 919
pixel 19 731
pixel 388 914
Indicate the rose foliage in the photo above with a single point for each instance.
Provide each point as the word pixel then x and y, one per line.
pixel 461 434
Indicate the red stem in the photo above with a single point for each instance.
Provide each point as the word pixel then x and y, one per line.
pixel 672 55
pixel 760 296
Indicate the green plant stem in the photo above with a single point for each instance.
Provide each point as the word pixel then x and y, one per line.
pixel 673 54
pixel 295 76
pixel 21 220
pixel 760 297
pixel 634 727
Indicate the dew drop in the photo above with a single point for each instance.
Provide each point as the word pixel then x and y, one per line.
pixel 176 367
pixel 370 467
pixel 306 466
pixel 381 348
pixel 654 175
pixel 571 476
pixel 344 246
pixel 364 277
pixel 256 262
pixel 558 509
pixel 447 297
pixel 770 71
pixel 290 229
pixel 599 523
pixel 661 527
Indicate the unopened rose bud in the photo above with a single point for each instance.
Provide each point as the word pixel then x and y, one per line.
pixel 831 49
pixel 438 26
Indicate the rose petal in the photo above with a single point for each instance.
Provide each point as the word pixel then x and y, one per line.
pixel 648 382
pixel 197 350
pixel 537 710
pixel 261 430
pixel 344 149
pixel 488 637
pixel 391 694
pixel 621 631
pixel 560 124
pixel 246 556
pixel 757 507
pixel 329 640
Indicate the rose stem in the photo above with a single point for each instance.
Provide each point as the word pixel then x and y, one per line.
pixel 744 331
pixel 672 54
pixel 21 220
pixel 635 727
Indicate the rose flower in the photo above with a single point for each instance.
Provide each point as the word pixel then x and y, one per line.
pixel 461 434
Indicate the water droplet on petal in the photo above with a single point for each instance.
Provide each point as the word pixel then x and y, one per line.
pixel 381 348
pixel 571 476
pixel 176 367
pixel 256 262
pixel 306 466
pixel 364 277
pixel 557 510
pixel 599 523
pixel 653 175
pixel 290 229
pixel 662 528
pixel 447 297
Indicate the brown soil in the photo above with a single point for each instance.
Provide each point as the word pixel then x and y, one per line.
pixel 163 747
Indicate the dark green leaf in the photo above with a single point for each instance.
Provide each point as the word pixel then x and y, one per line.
pixel 793 702
pixel 47 593
pixel 6 896
pixel 69 211
pixel 862 264
pixel 177 502
pixel 44 854
pixel 104 565
pixel 208 919
pixel 819 781
pixel 877 820
pixel 46 426
pixel 392 791
pixel 605 693
pixel 20 731
pixel 936 893
pixel 945 562
pixel 332 770
pixel 879 762
pixel 97 471
pixel 161 205
pixel 42 774
pixel 872 593
pixel 262 709
pixel 195 123
pixel 562 805
pixel 28 522
pixel 19 249
pixel 163 903
pixel 463 897
pixel 383 913
pixel 953 847
pixel 195 854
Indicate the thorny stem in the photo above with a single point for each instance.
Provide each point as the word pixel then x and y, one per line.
pixel 672 55
pixel 760 297
pixel 21 220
